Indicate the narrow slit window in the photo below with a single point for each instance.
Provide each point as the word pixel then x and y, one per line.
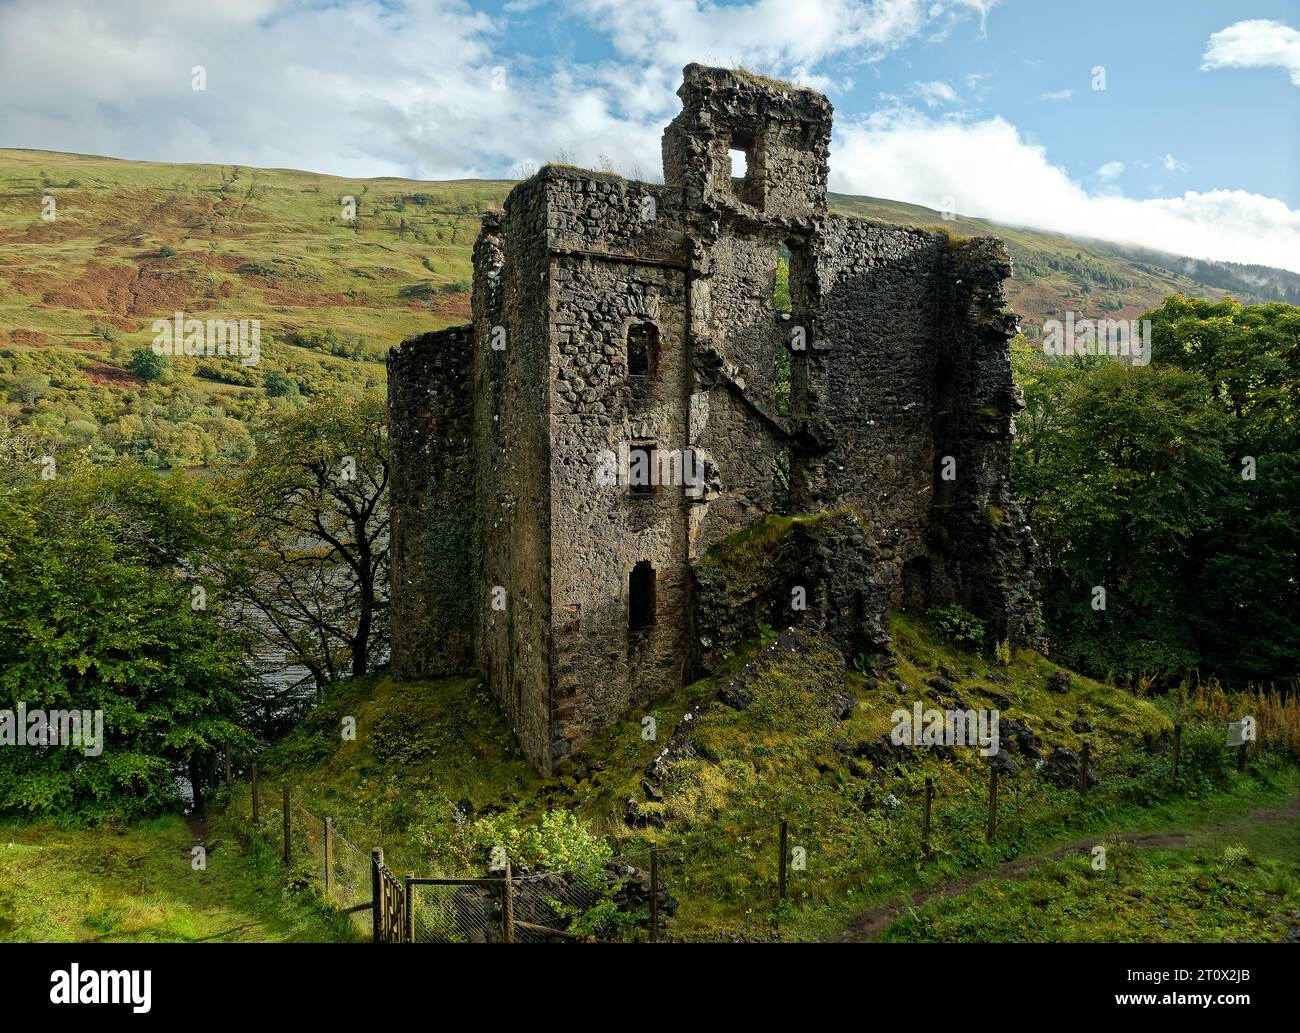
pixel 641 597
pixel 781 482
pixel 739 163
pixel 642 474
pixel 745 168
pixel 781 284
pixel 642 350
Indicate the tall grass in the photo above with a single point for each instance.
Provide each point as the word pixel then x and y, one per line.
pixel 1276 713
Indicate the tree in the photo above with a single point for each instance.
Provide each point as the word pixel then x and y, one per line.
pixel 147 364
pixel 314 564
pixel 1120 472
pixel 280 385
pixel 97 615
pixel 1174 487
pixel 1248 617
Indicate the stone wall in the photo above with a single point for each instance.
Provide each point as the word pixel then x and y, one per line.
pixel 512 485
pixel 904 362
pixel 600 530
pixel 786 572
pixel 433 544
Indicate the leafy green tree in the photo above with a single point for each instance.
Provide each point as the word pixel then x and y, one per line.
pixel 313 561
pixel 147 364
pixel 1173 487
pixel 1120 468
pixel 97 613
pixel 1247 596
pixel 280 385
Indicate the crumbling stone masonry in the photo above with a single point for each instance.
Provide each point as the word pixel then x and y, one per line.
pixel 616 322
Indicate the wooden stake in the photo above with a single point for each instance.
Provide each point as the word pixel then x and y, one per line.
pixel 329 857
pixel 288 858
pixel 993 803
pixel 255 815
pixel 784 839
pixel 508 906
pixel 654 895
pixel 376 894
pixel 1178 742
pixel 925 818
pixel 408 901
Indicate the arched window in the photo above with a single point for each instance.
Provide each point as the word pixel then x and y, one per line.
pixel 641 597
pixel 642 350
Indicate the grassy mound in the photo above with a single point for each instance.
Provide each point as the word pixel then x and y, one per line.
pixel 783 731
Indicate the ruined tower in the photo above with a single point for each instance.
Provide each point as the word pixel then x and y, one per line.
pixel 752 353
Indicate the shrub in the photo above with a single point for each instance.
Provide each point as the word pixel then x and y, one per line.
pixel 279 385
pixel 105 332
pixel 147 364
pixel 959 625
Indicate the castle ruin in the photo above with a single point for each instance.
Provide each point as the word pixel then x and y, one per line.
pixel 756 354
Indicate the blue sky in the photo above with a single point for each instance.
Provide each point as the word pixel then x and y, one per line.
pixel 984 105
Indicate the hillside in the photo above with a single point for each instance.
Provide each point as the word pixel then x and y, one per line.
pixel 783 731
pixel 135 241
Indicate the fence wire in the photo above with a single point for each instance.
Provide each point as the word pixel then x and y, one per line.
pixel 824 857
pixel 459 913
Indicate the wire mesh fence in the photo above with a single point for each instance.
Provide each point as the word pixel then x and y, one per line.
pixel 458 911
pixel 349 882
pixel 307 845
pixel 760 866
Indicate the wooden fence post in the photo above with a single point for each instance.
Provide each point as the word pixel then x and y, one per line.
pixel 329 857
pixel 1083 771
pixel 1178 742
pixel 925 818
pixel 376 893
pixel 1241 756
pixel 993 803
pixel 654 894
pixel 785 827
pixel 408 923
pixel 508 906
pixel 288 855
pixel 255 814
pixel 229 775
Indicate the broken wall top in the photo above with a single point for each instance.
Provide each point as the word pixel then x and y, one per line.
pixel 781 132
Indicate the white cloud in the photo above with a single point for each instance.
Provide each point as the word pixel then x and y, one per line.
pixel 1255 43
pixel 772 34
pixel 990 171
pixel 399 87
pixel 1057 95
pixel 935 93
pixel 405 88
pixel 1110 170
pixel 1172 164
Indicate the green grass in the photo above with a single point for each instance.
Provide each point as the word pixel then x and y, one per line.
pixel 1242 885
pixel 137 883
pixel 426 753
pixel 422 749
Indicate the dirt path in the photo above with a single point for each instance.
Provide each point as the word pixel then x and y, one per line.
pixel 870 924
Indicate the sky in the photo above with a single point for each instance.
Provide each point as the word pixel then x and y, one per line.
pixel 1169 123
